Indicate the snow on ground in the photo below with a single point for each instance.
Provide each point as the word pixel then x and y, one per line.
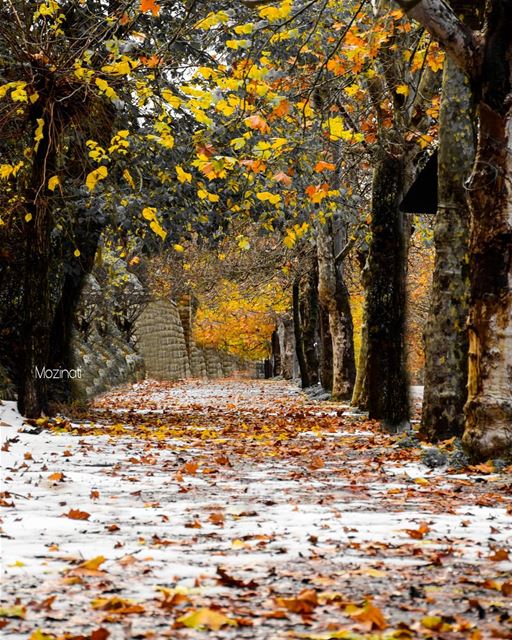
pixel 176 481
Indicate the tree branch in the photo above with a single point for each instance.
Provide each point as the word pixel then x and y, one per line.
pixel 254 4
pixel 455 37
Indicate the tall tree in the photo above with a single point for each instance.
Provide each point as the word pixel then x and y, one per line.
pixel 486 57
pixel 446 340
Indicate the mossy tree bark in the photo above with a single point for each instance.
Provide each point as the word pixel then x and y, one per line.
pixel 446 342
pixel 488 429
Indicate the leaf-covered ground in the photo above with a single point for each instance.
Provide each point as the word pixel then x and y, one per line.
pixel 241 509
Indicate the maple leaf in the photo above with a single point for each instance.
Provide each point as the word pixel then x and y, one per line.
pixel 149 5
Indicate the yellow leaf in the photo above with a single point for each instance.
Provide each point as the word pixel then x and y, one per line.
pixel 38 134
pixel 403 89
pixel 244 29
pixel 158 229
pixel 206 619
pixel 171 99
pixel 76 253
pixel 264 196
pixel 238 544
pixel 149 213
pixel 12 612
pixel 93 564
pixel 128 177
pixel 183 176
pixel 28 217
pixel 95 176
pixel 179 248
pixel 422 481
pixel 40 635
pixel 53 182
pixel 105 88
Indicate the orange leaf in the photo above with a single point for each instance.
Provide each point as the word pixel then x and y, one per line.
pixel 257 122
pixel 56 477
pixel 324 166
pixel 370 616
pixel 305 602
pixel 76 514
pixel 420 532
pixel 149 5
pixel 499 555
pixel 190 467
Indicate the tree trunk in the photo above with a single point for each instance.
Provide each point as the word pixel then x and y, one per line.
pixel 446 353
pixel 287 347
pixel 276 354
pixel 325 349
pixel 309 319
pixel 334 298
pixel 36 298
pixel 86 241
pixel 388 398
pixel 488 430
pixel 299 342
pixel 360 394
pixel 305 301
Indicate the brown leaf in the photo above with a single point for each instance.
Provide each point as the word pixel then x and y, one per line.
pixel 420 532
pixel 370 616
pixel 76 514
pixel 305 602
pixel 217 518
pixel 230 581
pixel 499 555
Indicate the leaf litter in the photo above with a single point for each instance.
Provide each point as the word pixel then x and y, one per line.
pixel 242 509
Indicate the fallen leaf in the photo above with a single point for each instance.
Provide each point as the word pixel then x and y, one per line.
pixel 76 514
pixel 206 619
pixel 305 602
pixel 12 612
pixel 56 477
pixel 370 616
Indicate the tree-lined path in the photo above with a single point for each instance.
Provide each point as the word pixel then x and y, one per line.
pixel 242 509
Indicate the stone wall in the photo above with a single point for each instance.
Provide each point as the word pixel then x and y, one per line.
pixel 160 340
pixel 105 361
pixel 163 348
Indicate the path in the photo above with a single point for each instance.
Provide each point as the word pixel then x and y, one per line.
pixel 241 508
